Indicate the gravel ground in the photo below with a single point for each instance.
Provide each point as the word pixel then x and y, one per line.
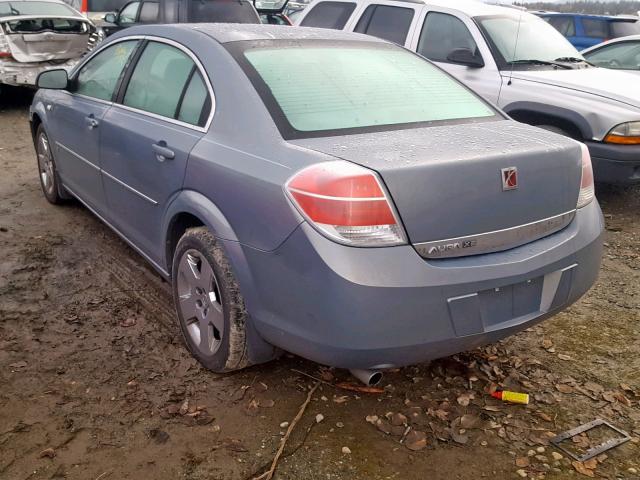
pixel 96 384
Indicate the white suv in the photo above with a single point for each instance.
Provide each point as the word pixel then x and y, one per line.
pixel 517 61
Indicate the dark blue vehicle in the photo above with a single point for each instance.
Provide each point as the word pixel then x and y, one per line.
pixel 585 31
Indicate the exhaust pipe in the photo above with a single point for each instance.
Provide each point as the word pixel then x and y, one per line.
pixel 369 377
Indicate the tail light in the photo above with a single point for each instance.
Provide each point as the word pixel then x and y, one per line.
pixel 587 188
pixel 347 203
pixel 5 52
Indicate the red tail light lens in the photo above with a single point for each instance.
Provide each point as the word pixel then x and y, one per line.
pixel 587 188
pixel 347 203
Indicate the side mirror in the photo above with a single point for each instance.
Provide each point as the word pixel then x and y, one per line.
pixel 110 18
pixel 464 56
pixel 57 79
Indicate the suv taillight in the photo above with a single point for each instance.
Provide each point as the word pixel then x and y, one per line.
pixel 587 188
pixel 347 203
pixel 5 52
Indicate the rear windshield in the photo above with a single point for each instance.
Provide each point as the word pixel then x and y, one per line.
pixel 222 11
pixel 623 29
pixel 323 88
pixel 35 8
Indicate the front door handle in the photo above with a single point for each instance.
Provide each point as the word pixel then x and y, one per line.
pixel 162 152
pixel 91 122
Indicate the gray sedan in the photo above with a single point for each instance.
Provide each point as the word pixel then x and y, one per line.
pixel 320 192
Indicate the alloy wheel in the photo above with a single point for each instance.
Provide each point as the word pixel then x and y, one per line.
pixel 199 302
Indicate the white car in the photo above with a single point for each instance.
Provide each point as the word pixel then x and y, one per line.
pixel 36 35
pixel 514 59
pixel 619 54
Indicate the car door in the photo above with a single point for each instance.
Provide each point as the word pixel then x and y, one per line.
pixel 76 120
pixel 162 111
pixel 440 33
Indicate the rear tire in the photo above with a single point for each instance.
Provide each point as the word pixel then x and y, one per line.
pixel 47 172
pixel 209 305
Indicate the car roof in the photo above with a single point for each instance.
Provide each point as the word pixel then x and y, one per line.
pixel 235 32
pixel 632 38
pixel 613 18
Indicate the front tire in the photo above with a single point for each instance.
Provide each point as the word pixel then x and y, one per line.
pixel 49 179
pixel 209 305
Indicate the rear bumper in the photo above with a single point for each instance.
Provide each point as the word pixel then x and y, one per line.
pixel 25 74
pixel 615 164
pixel 376 308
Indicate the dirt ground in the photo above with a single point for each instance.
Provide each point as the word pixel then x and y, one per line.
pixel 95 383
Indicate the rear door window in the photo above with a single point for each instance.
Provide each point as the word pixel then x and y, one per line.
pixel 194 101
pixel 596 28
pixel 99 76
pixel 623 29
pixel 158 80
pixel 564 25
pixel 442 34
pixel 222 11
pixel 149 12
pixel 329 15
pixel 386 22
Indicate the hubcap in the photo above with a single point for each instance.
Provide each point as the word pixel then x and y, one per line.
pixel 199 302
pixel 45 164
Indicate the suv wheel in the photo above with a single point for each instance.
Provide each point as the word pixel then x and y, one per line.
pixel 208 302
pixel 49 180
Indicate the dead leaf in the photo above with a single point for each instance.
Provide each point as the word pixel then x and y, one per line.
pixel 383 426
pixel 492 408
pixel 469 421
pixel 547 343
pixel 48 452
pixel 371 419
pixel 609 397
pixel 398 419
pixel 580 468
pixel 415 440
pixel 465 399
pixel 341 399
pixel 562 356
pixel 522 462
pixel 622 399
pixel 252 407
pixel 184 408
pixel 562 388
pixel 545 417
pixel 591 464
pixel 458 438
pixel 128 322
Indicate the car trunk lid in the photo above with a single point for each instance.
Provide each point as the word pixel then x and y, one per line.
pixel 447 182
pixel 40 38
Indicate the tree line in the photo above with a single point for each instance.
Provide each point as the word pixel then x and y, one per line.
pixel 587 6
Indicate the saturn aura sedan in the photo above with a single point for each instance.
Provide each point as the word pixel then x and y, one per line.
pixel 320 192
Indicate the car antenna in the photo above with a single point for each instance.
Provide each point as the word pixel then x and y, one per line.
pixel 515 48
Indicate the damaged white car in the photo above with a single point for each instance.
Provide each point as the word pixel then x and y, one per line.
pixel 36 35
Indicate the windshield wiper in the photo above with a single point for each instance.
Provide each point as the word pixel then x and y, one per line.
pixel 539 62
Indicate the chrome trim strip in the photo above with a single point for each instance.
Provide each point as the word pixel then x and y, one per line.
pixel 339 199
pixel 495 241
pixel 78 156
pixel 160 270
pixel 130 188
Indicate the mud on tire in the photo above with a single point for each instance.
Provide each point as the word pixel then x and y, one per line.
pixel 231 353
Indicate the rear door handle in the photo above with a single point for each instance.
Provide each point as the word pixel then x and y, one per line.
pixel 162 152
pixel 91 122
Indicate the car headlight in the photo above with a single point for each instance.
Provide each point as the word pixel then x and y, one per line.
pixel 625 134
